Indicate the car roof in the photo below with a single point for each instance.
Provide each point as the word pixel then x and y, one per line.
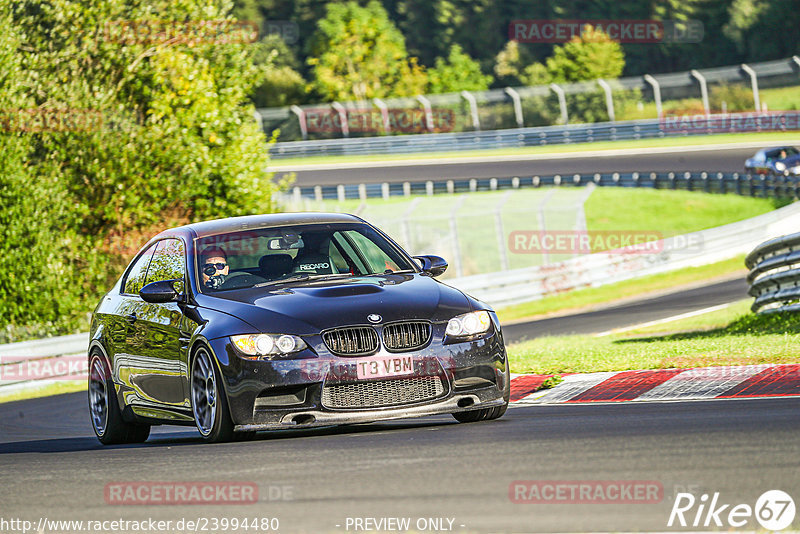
pixel 249 222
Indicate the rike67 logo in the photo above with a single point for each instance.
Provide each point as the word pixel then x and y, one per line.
pixel 774 510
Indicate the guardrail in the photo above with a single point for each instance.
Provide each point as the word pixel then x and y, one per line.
pixel 515 107
pixel 35 364
pixel 774 276
pixel 535 136
pixel 593 270
pixel 711 182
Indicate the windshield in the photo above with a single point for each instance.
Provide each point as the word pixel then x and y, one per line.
pixel 781 153
pixel 287 254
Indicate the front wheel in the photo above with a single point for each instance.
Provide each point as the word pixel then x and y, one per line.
pixel 107 422
pixel 487 414
pixel 209 405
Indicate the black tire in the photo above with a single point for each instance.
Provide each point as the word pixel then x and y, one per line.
pixel 104 412
pixel 209 402
pixel 487 414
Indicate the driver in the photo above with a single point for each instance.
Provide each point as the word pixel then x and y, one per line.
pixel 213 267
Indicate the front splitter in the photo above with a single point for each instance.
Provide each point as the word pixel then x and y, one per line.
pixel 325 418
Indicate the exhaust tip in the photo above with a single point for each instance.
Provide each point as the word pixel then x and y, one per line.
pixel 303 419
pixel 466 402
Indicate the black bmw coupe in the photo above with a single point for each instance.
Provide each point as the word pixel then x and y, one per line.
pixel 287 321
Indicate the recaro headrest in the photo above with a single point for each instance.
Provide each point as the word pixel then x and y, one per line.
pixel 275 265
pixel 313 263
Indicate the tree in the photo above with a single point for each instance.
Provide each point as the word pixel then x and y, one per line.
pixel 357 54
pixel 282 83
pixel 510 63
pixel 590 56
pixel 34 269
pixel 764 29
pixel 161 132
pixel 458 72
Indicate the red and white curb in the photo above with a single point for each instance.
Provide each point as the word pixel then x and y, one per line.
pixel 732 382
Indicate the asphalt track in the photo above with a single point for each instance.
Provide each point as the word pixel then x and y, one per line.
pixel 313 480
pixel 51 466
pixel 631 313
pixel 712 160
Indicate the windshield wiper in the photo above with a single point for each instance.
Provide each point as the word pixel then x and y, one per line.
pixel 389 271
pixel 293 278
pixel 299 277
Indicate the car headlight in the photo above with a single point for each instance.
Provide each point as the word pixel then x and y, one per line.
pixel 795 170
pixel 469 324
pixel 268 344
pixel 780 166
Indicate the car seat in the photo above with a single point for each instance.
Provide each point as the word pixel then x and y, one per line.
pixel 314 258
pixel 275 265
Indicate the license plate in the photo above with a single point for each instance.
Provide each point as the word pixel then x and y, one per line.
pixel 383 366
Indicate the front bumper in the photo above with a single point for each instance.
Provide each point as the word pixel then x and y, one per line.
pixel 459 402
pixel 279 394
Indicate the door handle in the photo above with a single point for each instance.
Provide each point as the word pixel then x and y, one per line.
pixel 131 318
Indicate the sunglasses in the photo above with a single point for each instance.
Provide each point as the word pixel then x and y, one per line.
pixel 212 268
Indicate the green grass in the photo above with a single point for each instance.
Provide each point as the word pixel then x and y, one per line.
pixel 669 212
pixel 665 212
pixel 660 213
pixel 782 98
pixel 65 386
pixel 727 337
pixel 705 321
pixel 696 140
pixel 585 298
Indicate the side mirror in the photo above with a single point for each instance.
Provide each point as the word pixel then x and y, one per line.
pixel 159 292
pixel 432 265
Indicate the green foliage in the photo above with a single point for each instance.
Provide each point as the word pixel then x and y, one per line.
pixel 458 72
pixel 753 29
pixel 509 64
pixel 357 53
pixel 591 56
pixel 734 97
pixel 551 382
pixel 34 264
pixel 763 29
pixel 282 83
pixel 169 137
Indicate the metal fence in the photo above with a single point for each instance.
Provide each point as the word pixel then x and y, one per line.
pixel 524 109
pixel 755 185
pixel 476 232
pixel 472 231
pixel 539 136
pixel 593 270
pixel 31 365
pixel 775 274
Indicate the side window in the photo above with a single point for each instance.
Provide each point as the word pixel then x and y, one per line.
pixel 351 254
pixel 378 261
pixel 136 276
pixel 168 263
pixel 337 259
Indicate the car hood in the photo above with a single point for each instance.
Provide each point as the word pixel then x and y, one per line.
pixel 312 306
pixel 791 161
